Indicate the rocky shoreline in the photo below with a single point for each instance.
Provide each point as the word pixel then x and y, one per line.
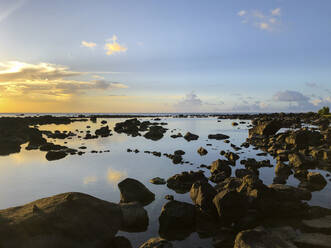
pixel 236 211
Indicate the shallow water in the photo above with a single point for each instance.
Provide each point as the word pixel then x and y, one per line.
pixel 27 176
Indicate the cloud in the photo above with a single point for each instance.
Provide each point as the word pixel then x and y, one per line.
pixel 241 13
pixel 191 102
pixel 256 106
pixel 258 19
pixel 88 44
pixel 20 71
pixel 275 12
pixel 290 96
pixel 47 80
pixel 9 11
pixel 114 47
pixel 312 85
pixel 89 179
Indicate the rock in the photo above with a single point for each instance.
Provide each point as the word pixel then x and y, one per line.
pixel 321 224
pixel 231 205
pixel 55 155
pixel 155 133
pixel 316 180
pixel 156 243
pixel 178 135
pixel 235 124
pixel 182 183
pixel 121 242
pixel 169 197
pixel 282 169
pixel 69 219
pixel 304 138
pixel 202 151
pixel 241 173
pixel 317 240
pixel 135 218
pixel 257 238
pixel 175 216
pixel 218 136
pixel 232 157
pixel 103 131
pixel 132 190
pixel 176 159
pixel 220 170
pixel 157 180
pixel 179 152
pixel 190 136
pixel 202 194
pixel 288 193
pixel 266 128
pixel 300 161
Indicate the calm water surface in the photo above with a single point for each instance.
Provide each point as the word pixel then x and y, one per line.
pixel 28 176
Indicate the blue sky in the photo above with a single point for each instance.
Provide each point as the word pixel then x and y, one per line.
pixel 168 56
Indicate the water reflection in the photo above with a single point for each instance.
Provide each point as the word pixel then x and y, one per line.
pixel 89 179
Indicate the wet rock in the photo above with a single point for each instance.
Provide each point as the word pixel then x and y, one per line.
pixel 190 136
pixel 178 135
pixel 266 128
pixel 320 224
pixel 202 195
pixel 220 170
pixel 316 180
pixel 241 173
pixel 235 124
pixel 304 138
pixel 157 180
pixel 103 131
pixel 182 183
pixel 175 216
pixel 202 151
pixel 132 190
pixel 259 238
pixel 55 155
pixel 218 136
pixel 179 152
pixel 176 159
pixel 317 240
pixel 155 133
pixel 169 197
pixel 130 127
pixel 120 242
pixel 232 157
pixel 156 243
pixel 56 219
pixel 135 218
pixel 231 205
pixel 287 192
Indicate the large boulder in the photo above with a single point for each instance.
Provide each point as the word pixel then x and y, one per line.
pixel 231 205
pixel 265 128
pixel 176 216
pixel 304 138
pixel 202 194
pixel 316 180
pixel 259 238
pixel 132 190
pixel 67 220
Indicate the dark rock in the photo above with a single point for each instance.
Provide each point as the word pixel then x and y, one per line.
pixel 169 197
pixel 202 194
pixel 182 183
pixel 135 218
pixel 202 151
pixel 103 131
pixel 55 155
pixel 179 152
pixel 157 180
pixel 190 136
pixel 155 133
pixel 132 190
pixel 218 136
pixel 266 128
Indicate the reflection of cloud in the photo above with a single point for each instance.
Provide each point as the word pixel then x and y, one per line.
pixel 114 176
pixel 88 44
pixel 89 179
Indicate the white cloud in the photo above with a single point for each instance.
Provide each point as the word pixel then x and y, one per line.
pixel 260 20
pixel 114 47
pixel 290 96
pixel 190 103
pixel 241 13
pixel 276 12
pixel 88 44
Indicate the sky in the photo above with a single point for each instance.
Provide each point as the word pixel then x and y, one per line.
pixel 165 56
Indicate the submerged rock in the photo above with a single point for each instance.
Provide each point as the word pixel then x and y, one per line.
pixel 132 190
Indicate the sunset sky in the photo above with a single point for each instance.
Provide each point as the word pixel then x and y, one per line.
pixel 164 56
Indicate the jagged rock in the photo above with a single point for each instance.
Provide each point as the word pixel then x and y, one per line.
pixel 202 151
pixel 103 131
pixel 266 128
pixel 157 180
pixel 132 190
pixel 190 136
pixel 156 243
pixel 182 183
pixel 202 194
